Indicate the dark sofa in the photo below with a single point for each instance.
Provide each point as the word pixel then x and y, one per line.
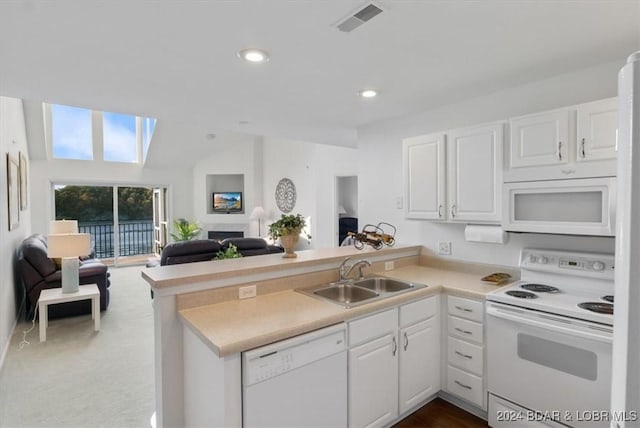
pixel 39 272
pixel 200 250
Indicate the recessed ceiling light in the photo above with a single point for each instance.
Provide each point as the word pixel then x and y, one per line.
pixel 243 122
pixel 211 136
pixel 368 93
pixel 254 55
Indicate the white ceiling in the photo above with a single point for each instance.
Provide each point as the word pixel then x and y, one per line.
pixel 176 60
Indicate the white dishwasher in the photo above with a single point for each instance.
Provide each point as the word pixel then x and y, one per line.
pixel 298 382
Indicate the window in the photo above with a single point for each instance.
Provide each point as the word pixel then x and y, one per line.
pixel 124 138
pixel 71 132
pixel 119 137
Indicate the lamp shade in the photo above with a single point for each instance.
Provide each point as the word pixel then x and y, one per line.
pixel 63 226
pixel 341 210
pixel 257 213
pixel 69 245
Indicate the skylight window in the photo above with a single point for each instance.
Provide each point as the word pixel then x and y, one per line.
pixel 70 134
pixel 119 137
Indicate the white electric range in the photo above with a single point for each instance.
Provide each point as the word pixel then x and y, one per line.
pixel 549 341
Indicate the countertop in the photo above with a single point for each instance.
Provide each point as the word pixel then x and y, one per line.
pixel 239 325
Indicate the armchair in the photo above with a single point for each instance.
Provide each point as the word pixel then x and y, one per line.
pixel 39 272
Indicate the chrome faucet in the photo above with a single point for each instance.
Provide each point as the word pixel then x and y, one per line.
pixel 345 271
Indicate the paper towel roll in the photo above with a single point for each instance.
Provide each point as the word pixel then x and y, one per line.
pixel 485 233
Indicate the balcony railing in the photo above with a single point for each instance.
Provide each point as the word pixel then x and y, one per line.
pixel 135 237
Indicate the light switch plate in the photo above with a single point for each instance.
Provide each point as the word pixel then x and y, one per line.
pixel 389 265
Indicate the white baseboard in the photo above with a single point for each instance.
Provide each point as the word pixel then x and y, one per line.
pixel 470 408
pixel 5 348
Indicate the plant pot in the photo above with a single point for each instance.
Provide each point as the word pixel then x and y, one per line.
pixel 289 243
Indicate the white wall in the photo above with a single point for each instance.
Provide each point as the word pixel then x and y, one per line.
pixel 380 161
pixel 313 168
pixel 13 140
pixel 241 157
pixel 44 173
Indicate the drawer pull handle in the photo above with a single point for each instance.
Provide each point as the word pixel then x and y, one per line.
pixel 460 308
pixel 464 355
pixel 406 341
pixel 463 331
pixel 395 346
pixel 440 211
pixel 582 152
pixel 462 385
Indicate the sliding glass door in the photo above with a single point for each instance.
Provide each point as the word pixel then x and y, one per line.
pixel 119 218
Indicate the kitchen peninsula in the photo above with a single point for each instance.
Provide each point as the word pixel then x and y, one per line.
pixel 201 326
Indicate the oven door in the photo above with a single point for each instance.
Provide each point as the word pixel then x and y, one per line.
pixel 549 363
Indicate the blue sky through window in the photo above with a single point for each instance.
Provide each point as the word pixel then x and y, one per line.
pixel 71 132
pixel 119 131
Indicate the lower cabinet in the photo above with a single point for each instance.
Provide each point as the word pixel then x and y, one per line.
pixel 394 362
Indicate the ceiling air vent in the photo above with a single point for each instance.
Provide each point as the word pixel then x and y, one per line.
pixel 355 20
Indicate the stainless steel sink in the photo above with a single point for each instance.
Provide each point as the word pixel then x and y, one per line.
pixel 354 293
pixel 345 294
pixel 384 285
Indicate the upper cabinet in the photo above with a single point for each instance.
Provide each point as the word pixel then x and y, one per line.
pixel 540 139
pixel 474 162
pixel 424 176
pixel 597 130
pixel 455 176
pixel 574 142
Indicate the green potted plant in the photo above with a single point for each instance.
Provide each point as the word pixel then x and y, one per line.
pixel 185 230
pixel 230 253
pixel 288 228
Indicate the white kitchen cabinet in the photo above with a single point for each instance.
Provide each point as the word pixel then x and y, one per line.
pixel 474 171
pixel 574 142
pixel 419 363
pixel 465 362
pixel 424 176
pixel 455 176
pixel 597 130
pixel 540 139
pixel 373 382
pixel 394 362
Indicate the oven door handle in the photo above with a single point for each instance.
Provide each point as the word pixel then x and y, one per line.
pixel 546 325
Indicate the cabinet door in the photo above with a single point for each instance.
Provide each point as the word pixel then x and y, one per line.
pixel 419 362
pixel 474 161
pixel 373 383
pixel 539 139
pixel 424 176
pixel 597 130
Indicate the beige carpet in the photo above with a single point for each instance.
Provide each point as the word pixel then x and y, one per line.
pixel 82 378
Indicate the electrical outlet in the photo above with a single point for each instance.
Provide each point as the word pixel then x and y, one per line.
pixel 247 292
pixel 399 202
pixel 444 248
pixel 389 265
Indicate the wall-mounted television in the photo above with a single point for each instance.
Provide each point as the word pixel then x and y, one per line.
pixel 227 202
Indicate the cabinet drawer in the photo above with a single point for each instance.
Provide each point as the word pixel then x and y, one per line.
pixel 465 385
pixel 465 329
pixel 373 326
pixel 466 356
pixel 421 310
pixel 466 308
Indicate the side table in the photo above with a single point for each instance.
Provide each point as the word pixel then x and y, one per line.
pixel 55 295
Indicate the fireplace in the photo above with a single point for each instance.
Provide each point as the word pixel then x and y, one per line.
pixel 219 235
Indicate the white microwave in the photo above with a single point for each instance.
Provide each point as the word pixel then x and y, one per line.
pixel 572 207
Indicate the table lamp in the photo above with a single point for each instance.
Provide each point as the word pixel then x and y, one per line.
pixel 65 242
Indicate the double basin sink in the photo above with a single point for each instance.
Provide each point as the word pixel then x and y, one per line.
pixel 359 292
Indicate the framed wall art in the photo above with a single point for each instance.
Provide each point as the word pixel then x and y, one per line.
pixel 23 182
pixel 13 191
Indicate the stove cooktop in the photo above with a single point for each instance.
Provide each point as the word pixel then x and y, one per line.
pixel 570 303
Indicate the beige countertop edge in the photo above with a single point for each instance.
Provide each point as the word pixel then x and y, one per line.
pixel 177 275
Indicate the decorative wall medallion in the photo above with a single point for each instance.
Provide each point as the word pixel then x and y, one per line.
pixel 286 195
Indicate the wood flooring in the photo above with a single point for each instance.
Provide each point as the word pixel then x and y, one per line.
pixel 440 414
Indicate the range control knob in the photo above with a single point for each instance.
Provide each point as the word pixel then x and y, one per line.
pixel 598 266
pixel 532 258
pixel 543 260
